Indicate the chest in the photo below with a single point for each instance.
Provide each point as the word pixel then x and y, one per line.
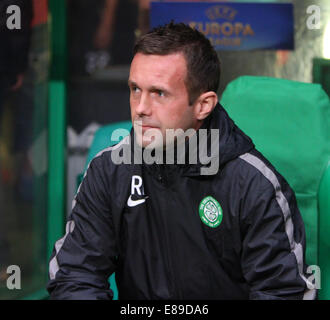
pixel 196 213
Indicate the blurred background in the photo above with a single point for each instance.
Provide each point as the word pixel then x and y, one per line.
pixel 62 76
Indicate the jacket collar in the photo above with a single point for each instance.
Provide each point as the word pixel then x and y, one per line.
pixel 232 143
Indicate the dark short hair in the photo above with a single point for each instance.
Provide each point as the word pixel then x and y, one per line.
pixel 203 65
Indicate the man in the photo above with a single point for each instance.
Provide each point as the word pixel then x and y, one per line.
pixel 167 230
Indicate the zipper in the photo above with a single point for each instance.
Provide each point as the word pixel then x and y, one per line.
pixel 163 179
pixel 160 175
pixel 171 254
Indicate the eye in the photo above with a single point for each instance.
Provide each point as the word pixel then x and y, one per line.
pixel 160 93
pixel 135 89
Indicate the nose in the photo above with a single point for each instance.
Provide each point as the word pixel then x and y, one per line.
pixel 143 106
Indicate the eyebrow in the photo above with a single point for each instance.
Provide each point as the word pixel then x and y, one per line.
pixel 152 88
pixel 131 83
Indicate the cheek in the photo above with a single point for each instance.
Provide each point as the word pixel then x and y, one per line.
pixel 176 120
pixel 169 118
pixel 184 117
pixel 132 107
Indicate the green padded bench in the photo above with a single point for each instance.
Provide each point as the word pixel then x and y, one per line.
pixel 289 122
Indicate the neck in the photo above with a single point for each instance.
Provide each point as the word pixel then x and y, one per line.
pixel 199 123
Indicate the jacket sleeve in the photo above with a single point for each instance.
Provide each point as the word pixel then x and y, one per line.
pixel 85 257
pixel 273 249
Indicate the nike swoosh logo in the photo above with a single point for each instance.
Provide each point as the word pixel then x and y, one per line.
pixel 133 203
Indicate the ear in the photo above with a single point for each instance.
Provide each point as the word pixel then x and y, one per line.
pixel 205 104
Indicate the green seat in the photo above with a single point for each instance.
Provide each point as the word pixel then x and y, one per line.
pixel 103 138
pixel 289 122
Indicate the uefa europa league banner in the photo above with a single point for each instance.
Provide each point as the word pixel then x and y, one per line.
pixel 233 26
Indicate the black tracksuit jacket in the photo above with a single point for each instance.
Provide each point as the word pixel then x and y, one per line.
pixel 159 248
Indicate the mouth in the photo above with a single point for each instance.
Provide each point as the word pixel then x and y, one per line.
pixel 146 126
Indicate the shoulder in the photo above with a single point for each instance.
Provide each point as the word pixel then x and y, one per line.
pixel 103 177
pixel 109 165
pixel 254 173
pixel 256 182
pixel 108 157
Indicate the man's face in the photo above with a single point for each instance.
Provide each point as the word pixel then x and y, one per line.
pixel 158 95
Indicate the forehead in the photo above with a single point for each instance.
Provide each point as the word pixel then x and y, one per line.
pixel 165 70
